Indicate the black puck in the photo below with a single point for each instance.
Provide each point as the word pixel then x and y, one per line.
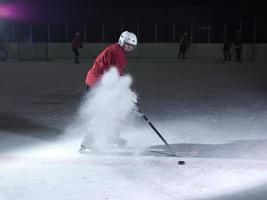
pixel 181 162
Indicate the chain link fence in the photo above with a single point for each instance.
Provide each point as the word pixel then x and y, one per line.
pixel 34 40
pixel 253 30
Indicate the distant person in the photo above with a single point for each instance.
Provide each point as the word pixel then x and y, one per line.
pixel 4 47
pixel 238 46
pixel 226 46
pixel 75 45
pixel 112 56
pixel 184 45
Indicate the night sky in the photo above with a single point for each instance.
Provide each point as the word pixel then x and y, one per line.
pixel 146 13
pixel 83 9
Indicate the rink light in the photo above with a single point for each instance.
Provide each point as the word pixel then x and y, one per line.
pixel 5 12
pixel 10 11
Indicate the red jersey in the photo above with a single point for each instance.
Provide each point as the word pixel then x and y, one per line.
pixel 113 55
pixel 76 42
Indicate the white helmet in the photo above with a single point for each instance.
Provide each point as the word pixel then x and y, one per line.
pixel 128 37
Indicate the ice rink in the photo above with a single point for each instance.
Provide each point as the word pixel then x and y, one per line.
pixel 213 113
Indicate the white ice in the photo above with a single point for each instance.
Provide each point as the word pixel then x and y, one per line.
pixel 215 110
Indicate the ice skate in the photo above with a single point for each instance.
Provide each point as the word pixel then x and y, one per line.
pixel 118 143
pixel 89 149
pixel 84 149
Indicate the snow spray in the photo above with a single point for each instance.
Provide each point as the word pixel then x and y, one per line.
pixel 105 108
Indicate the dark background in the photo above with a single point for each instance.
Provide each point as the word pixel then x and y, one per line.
pixel 117 15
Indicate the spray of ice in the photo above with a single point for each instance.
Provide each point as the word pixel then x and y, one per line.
pixel 105 109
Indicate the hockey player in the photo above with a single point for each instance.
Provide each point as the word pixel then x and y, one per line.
pixel 226 46
pixel 112 56
pixel 4 47
pixel 238 45
pixel 184 45
pixel 76 43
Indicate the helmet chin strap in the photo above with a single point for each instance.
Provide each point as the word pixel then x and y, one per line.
pixel 128 49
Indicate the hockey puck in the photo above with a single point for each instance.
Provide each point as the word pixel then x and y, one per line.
pixel 181 162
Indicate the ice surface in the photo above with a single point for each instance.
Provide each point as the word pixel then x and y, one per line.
pixel 216 110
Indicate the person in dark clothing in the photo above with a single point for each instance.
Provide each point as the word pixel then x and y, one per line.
pixel 226 46
pixel 4 47
pixel 184 45
pixel 238 46
pixel 76 43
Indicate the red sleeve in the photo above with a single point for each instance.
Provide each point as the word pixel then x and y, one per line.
pixel 121 71
pixel 103 61
pixel 109 57
pixel 118 60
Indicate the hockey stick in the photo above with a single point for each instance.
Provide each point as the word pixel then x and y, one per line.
pixel 158 133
